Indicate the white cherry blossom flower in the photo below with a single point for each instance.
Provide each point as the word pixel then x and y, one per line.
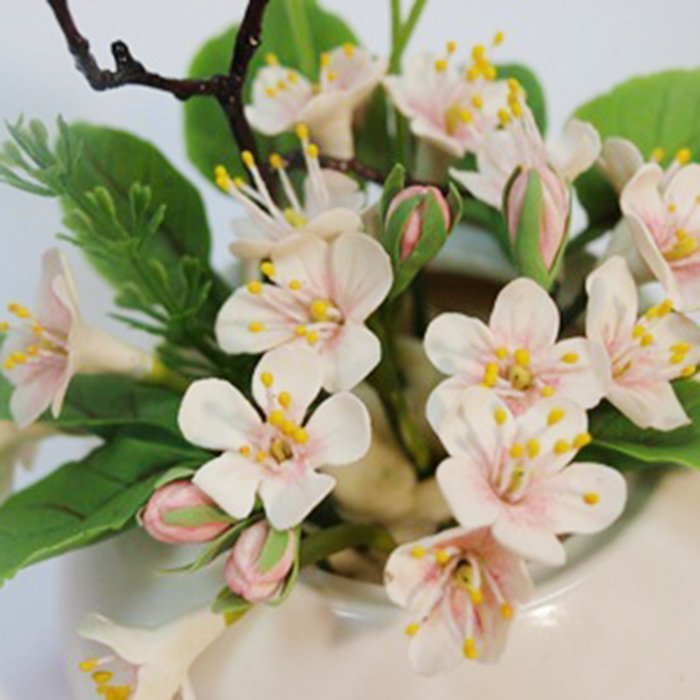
pixel 331 204
pixel 646 353
pixel 283 98
pixel 276 458
pixel 18 447
pixel 516 355
pixel 462 589
pixel 514 474
pixel 43 352
pixel 323 292
pixel 149 664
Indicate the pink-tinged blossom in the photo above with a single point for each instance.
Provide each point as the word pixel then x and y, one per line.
pixel 516 355
pixel 43 351
pixel 276 458
pixel 244 574
pixel 283 98
pixel 171 498
pixel 461 589
pixel 513 474
pixel 646 353
pixel 323 293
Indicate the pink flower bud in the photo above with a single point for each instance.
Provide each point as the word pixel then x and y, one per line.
pixel 555 210
pixel 243 573
pixel 172 497
pixel 414 226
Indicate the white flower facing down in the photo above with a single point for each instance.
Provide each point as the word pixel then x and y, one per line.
pixel 450 108
pixel 283 98
pixel 323 293
pixel 149 664
pixel 43 352
pixel 513 475
pixel 276 458
pixel 646 353
pixel 461 589
pixel 18 446
pixel 664 219
pixel 516 354
pixel 331 204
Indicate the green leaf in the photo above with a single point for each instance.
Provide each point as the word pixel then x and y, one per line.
pixel 322 544
pixel 80 503
pixel 621 444
pixel 655 111
pixel 207 132
pixel 533 89
pixel 393 184
pixel 196 516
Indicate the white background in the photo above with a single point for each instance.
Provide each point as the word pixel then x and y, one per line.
pixel 579 48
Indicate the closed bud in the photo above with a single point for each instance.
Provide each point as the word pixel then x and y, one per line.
pixel 180 513
pixel 260 562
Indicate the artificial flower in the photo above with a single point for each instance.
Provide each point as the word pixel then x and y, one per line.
pixel 323 292
pixel 646 353
pixel 243 572
pixel 513 474
pixel 168 500
pixel 330 205
pixel 449 108
pixel 664 221
pixel 149 664
pixel 276 458
pixel 283 98
pixel 516 354
pixel 18 446
pixel 43 352
pixel 462 589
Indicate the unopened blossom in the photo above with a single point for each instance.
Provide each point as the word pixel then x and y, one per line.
pixel 44 350
pixel 514 474
pixel 516 355
pixel 646 353
pixel 330 205
pixel 18 447
pixel 461 589
pixel 148 664
pixel 319 296
pixel 276 458
pixel 664 220
pixel 243 572
pixel 283 97
pixel 171 498
pixel 447 106
pixel 519 145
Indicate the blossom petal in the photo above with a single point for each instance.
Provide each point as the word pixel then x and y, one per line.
pixel 329 118
pixel 35 394
pixel 333 222
pixel 434 648
pixel 304 259
pixel 343 193
pixel 215 415
pixel 132 645
pixel 288 502
pixel 350 356
pixel 533 541
pixel 576 151
pixel 57 298
pixel 641 199
pixel 651 404
pixel 444 401
pixel 683 190
pixel 620 160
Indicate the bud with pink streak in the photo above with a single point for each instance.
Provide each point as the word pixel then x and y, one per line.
pixel 178 496
pixel 255 580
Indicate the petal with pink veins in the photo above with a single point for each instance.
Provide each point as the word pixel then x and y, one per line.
pixel 459 344
pixel 650 404
pixel 350 356
pixel 529 535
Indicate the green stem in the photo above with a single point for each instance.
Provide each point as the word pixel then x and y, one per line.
pixel 323 544
pixel 300 29
pixel 409 26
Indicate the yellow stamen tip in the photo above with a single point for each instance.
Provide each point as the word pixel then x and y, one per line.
pixel 300 331
pixel 268 269
pixel 300 436
pixel 302 132
pixel 441 65
pixel 312 151
pixel 533 448
pixel 561 447
pixel 267 379
pixel 418 552
pixel 478 101
pixel 470 649
pixel 582 440
pixel 591 498
pixel 499 38
pixel 517 450
pixel 4 326
pixel 548 391
pixel 256 327
pixel 223 180
pixel 477 597
pixel 88 665
pixel 647 340
pixel 507 611
pixel 260 456
pixel 312 337
pixel 276 161
pixel 442 557
pixel 244 450
pixel 412 629
pixel 684 156
pixel 295 285
pixel 248 159
pixel 501 353
pixel 325 60
pixel 254 287
pixel 689 371
pixel 276 418
pixel 658 154
pixel 285 399
pixel 349 49
pixel 451 46
pixel 522 357
pixel 555 415
pixel 500 416
pixel 271 59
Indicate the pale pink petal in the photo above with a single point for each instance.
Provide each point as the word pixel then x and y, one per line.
pixel 215 415
pixel 287 503
pixel 683 191
pixel 329 118
pixel 56 307
pixel 444 400
pixel 304 259
pixel 620 160
pixel 483 187
pixel 349 357
pixel 641 199
pixel 651 404
pixel 529 538
pixel 331 223
pixel 34 395
pixel 576 150
pixel 434 648
pixel 427 131
pixel 343 193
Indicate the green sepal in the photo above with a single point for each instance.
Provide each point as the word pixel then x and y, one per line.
pixel 526 246
pixel 392 186
pixel 229 604
pixel 274 548
pixel 175 474
pixel 197 516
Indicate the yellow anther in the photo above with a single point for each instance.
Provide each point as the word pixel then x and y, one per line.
pixel 501 353
pixel 442 557
pixel 477 597
pixel 302 132
pixel 479 52
pixel 441 65
pixel 8 363
pixel 689 371
pixel 331 76
pixel 665 307
pixel 244 450
pixel 682 234
pixel 101 677
pixel 647 340
pixel 300 436
pixel 470 649
pixel 533 448
pixel 292 77
pixel 281 85
pixel 548 391
pixel 4 326
pixel 561 447
pixel 522 357
pixel 300 331
pixel 276 418
pixel 516 110
pixel 239 182
pixel 349 49
pixel 500 416
pixel 260 456
pixel 270 92
pixel 285 399
pixel 312 337
pixel 319 310
pixel 514 86
pixel 32 350
pixel 295 218
pixel 499 38
pixel 312 151
pixel 658 154
pixel 570 358
pixel 506 611
pixel 288 426
pixel 267 379
pixel 478 101
pixel 581 440
pixel 517 450
pixel 490 72
pixel 466 116
pixel 418 552
pixel 37 329
pixel 268 269
pixel 671 208
pixel 451 47
pixel 684 156
pixel 472 74
pixel 504 116
pixel 223 181
pixel 520 378
pixel 254 287
pixel 89 665
pixel 681 348
pixel 412 629
pixel 19 358
pixel 271 59
pixel 682 248
pixel 295 285
pixel 276 161
pixel 491 374
pixel 591 498
pixel 555 415
pixel 256 327
pixel 638 331
pixel 325 60
pixel 248 159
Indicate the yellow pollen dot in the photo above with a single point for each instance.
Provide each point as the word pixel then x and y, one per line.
pixel 331 76
pixel 647 340
pixel 516 110
pixel 256 327
pixel 254 287
pixel 292 77
pixel 513 86
pixel 441 65
pixel 248 159
pixel 638 331
pixel 295 285
pixel 223 181
pixel 285 399
pixel 491 374
pixel 570 358
pixel 8 363
pixel 672 208
pixel 325 60
pixel 561 447
pixel 244 450
pixel 101 677
pixel 267 379
pixel 490 72
pixel 281 85
pixel 4 326
pixel 239 182
pixel 555 415
pixel 472 74
pixel 478 101
pixel 688 371
pixel 504 116
pixel 582 439
pixel 533 448
pixel 412 629
pixel 451 46
pixel 479 52
pixel 270 92
pixel 548 391
pixel 418 552
pixel 591 498
pixel 466 116
pixel 517 451
pixel 19 358
pixel 683 248
pixel 522 357
pixel 260 456
pixel 499 38
pixel 501 353
pixel 681 234
pixel 348 49
pixel 506 611
pixel 276 161
pixel 271 59
pixel 500 416
pixel 302 132
pixel 477 597
pixel 469 649
pixel 288 426
pixel 300 436
pixel 276 418
pixel 268 269
pixel 312 337
pixel 658 154
pixel 88 665
pixel 33 350
pixel 665 307
pixel 300 331
pixel 442 557
pixel 684 156
pixel 312 151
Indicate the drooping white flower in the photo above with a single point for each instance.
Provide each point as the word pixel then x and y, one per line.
pixel 323 292
pixel 149 664
pixel 283 98
pixel 646 353
pixel 276 458
pixel 450 108
pixel 513 474
pixel 331 204
pixel 664 220
pixel 462 589
pixel 43 352
pixel 18 446
pixel 516 354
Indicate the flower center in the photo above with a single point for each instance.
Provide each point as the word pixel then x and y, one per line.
pixel 104 678
pixel 516 369
pixel 683 247
pixel 520 378
pixel 323 311
pixel 280 450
